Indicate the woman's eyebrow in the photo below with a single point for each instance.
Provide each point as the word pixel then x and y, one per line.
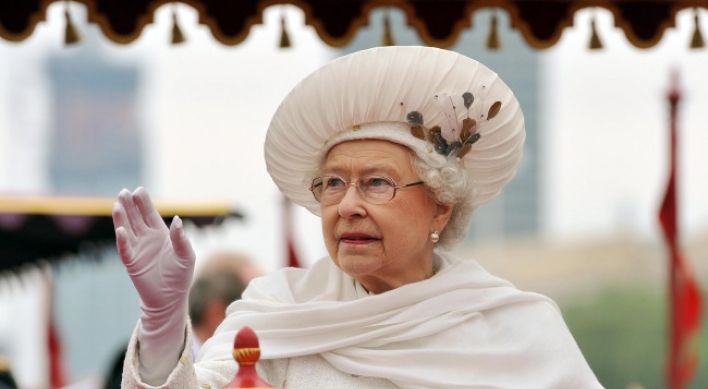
pixel 380 168
pixel 383 168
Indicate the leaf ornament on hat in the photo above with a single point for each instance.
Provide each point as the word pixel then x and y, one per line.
pixel 453 138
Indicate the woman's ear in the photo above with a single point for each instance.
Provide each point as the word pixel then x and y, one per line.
pixel 442 215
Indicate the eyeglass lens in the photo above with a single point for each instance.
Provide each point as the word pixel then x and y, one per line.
pixel 329 190
pixel 376 190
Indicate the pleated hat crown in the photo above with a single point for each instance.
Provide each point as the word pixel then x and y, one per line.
pixel 439 103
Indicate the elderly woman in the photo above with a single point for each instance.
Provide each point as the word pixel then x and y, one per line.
pixel 394 148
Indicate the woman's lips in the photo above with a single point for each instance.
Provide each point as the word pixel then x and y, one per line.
pixel 357 238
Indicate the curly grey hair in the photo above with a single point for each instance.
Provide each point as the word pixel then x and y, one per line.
pixel 449 183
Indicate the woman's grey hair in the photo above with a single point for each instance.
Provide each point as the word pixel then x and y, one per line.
pixel 449 183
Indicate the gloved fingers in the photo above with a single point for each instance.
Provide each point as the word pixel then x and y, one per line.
pixel 125 249
pixel 180 242
pixel 134 217
pixel 149 214
pixel 120 219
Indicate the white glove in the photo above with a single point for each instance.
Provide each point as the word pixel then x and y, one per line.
pixel 160 262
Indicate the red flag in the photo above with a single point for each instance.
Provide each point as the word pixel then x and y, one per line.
pixel 684 292
pixel 56 371
pixel 292 261
pixel 54 351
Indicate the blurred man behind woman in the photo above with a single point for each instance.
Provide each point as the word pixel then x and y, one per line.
pixel 219 281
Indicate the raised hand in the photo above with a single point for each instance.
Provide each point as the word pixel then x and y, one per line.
pixel 160 262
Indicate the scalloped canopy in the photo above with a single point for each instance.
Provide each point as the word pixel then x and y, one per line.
pixel 437 22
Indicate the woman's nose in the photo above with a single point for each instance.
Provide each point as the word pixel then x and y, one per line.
pixel 353 203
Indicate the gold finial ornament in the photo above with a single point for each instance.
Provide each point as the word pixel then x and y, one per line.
pixel 246 353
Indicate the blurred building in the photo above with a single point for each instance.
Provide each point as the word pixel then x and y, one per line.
pixel 95 146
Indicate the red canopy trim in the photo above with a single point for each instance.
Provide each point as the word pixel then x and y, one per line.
pixel 437 22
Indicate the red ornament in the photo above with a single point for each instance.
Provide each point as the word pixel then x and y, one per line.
pixel 246 353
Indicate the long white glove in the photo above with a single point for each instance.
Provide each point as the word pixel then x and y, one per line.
pixel 160 261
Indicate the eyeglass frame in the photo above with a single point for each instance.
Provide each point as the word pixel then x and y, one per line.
pixel 359 189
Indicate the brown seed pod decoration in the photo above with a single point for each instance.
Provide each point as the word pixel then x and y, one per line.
pixel 465 149
pixel 417 132
pixel 494 110
pixel 432 132
pixel 467 125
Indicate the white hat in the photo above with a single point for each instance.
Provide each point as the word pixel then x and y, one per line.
pixel 416 96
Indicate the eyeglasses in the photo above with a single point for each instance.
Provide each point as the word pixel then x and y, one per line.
pixel 330 190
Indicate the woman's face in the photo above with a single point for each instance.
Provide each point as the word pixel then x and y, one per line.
pixel 387 245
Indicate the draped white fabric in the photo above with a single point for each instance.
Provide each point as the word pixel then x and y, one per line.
pixel 462 328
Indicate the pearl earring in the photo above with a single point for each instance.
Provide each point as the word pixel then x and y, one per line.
pixel 434 237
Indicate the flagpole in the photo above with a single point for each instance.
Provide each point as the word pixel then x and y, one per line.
pixel 671 235
pixel 685 303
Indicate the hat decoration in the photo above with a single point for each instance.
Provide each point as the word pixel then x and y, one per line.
pixel 455 138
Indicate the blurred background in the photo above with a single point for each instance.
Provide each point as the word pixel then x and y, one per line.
pixel 579 223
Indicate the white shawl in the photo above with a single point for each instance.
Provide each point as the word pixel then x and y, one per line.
pixel 462 328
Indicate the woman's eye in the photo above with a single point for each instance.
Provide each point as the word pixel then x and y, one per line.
pixel 378 182
pixel 335 182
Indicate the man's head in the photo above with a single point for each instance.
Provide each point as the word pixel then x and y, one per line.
pixel 210 295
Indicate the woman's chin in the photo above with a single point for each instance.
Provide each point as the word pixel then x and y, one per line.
pixel 358 266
